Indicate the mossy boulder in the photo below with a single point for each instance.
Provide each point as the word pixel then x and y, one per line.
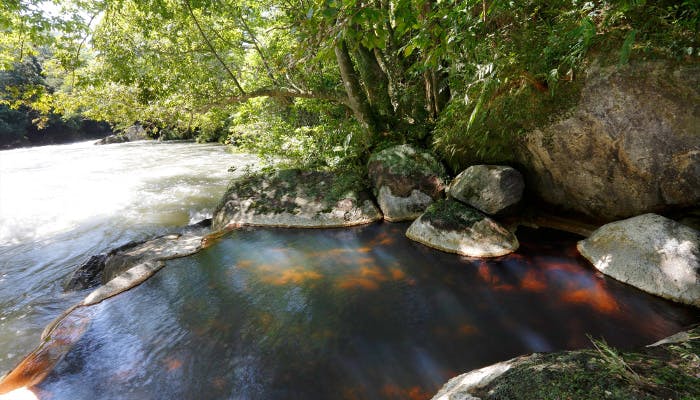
pixel 488 188
pixel 405 181
pixel 451 226
pixel 667 370
pixel 629 146
pixel 651 252
pixel 296 198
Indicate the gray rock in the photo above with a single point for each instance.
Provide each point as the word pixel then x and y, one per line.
pixel 101 268
pixel 489 188
pixel 650 252
pixel 135 132
pixel 111 139
pixel 295 198
pixel 405 181
pixel 460 387
pixel 630 146
pixel 161 248
pixel 453 227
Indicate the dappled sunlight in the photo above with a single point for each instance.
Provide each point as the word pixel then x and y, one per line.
pixel 675 256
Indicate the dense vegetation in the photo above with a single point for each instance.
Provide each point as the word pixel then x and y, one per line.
pixel 23 125
pixel 324 81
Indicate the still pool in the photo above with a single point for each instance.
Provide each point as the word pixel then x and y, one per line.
pixel 360 313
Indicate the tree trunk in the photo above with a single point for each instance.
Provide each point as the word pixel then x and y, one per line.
pixel 376 84
pixel 357 100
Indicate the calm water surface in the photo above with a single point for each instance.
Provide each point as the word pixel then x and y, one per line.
pixel 61 204
pixel 359 313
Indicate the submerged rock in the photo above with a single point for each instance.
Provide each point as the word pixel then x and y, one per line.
pixel 451 226
pixel 488 188
pixel 295 198
pixel 651 252
pixel 161 248
pixel 630 146
pixel 101 268
pixel 405 181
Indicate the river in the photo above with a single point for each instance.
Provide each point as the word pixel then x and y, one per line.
pixel 357 313
pixel 61 204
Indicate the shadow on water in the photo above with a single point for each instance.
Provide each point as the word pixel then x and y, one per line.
pixel 346 314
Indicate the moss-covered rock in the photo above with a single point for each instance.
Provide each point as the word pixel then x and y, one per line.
pixel 665 371
pixel 405 181
pixel 296 198
pixel 629 146
pixel 451 226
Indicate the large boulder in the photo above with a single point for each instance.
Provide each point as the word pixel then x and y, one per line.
pixel 405 181
pixel 451 226
pixel 630 146
pixel 651 252
pixel 488 188
pixel 295 198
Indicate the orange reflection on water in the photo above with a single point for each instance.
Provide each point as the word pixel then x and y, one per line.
pixel 533 282
pixel 171 364
pixel 466 329
pixel 397 274
pixel 392 391
pixel 358 283
pixel 33 368
pixel 296 276
pixel 596 296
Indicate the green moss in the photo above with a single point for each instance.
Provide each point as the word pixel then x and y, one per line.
pixel 667 372
pixel 451 215
pixel 276 192
pixel 404 160
pixel 493 136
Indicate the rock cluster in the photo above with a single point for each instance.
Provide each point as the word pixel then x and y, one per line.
pixel 458 224
pixel 406 181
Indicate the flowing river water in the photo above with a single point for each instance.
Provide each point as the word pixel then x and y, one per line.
pixel 61 204
pixel 359 313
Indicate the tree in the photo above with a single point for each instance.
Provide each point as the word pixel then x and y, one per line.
pixel 394 66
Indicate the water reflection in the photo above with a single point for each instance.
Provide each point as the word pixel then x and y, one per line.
pixel 361 313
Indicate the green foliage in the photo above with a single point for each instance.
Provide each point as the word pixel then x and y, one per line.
pixel 515 66
pixel 306 133
pixel 265 74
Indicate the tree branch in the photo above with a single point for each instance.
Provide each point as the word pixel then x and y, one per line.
pixel 337 97
pixel 211 47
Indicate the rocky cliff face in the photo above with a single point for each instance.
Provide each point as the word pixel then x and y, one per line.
pixel 631 145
